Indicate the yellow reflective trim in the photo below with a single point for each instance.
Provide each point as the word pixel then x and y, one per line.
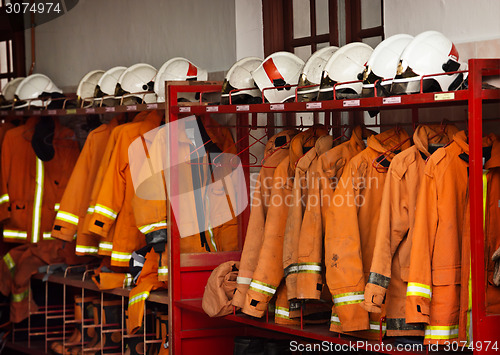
pixel 106 245
pixel 148 227
pixel 37 205
pixel 18 297
pixel 120 256
pixel 419 294
pixel 4 198
pixel 10 263
pixel 105 211
pixel 10 233
pixel 419 285
pixel 47 235
pixel 57 206
pixel 86 249
pixel 138 298
pixel 67 217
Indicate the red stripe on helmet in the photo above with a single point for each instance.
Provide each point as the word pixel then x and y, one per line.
pixel 453 52
pixel 271 70
pixel 192 70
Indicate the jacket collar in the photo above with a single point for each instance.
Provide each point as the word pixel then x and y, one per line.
pixel 382 145
pixel 430 134
pixel 358 134
pixel 303 142
pixel 490 140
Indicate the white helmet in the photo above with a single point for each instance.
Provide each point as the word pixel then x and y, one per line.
pixel 8 92
pixel 178 69
pixel 135 81
pixel 239 76
pixel 428 53
pixel 311 74
pixel 86 87
pixel 33 87
pixel 343 66
pixel 277 70
pixel 383 64
pixel 107 83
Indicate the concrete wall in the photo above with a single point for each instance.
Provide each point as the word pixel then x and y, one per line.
pixel 100 34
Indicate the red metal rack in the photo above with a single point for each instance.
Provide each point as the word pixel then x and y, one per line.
pixel 191 330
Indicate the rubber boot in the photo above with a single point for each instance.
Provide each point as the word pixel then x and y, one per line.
pixel 135 344
pixel 83 310
pixel 92 312
pixel 162 332
pixel 111 319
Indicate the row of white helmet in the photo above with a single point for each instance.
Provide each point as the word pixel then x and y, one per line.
pixel 141 82
pixel 401 64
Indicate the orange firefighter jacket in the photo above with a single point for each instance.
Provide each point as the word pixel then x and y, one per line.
pixel 105 245
pixel 322 180
pixel 276 150
pixel 391 257
pixel 351 223
pixel 114 202
pixel 291 242
pixel 31 189
pixel 73 207
pixel 151 214
pixel 269 270
pixel 437 263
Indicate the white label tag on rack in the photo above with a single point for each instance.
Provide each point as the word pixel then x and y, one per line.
pixel 444 96
pixel 313 105
pixel 391 100
pixel 132 108
pixel 277 107
pixel 3 113
pixel 243 108
pixel 184 109
pixel 350 103
pixel 71 111
pixel 37 112
pixel 151 106
pixel 212 109
pixel 109 109
pixel 52 112
pixel 90 110
pixel 20 113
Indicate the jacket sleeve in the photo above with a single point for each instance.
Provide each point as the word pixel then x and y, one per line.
pixel 310 265
pixel 392 228
pixel 344 266
pixel 69 215
pixel 419 291
pixel 112 192
pixel 6 160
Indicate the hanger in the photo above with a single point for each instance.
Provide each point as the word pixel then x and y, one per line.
pixel 442 131
pixel 376 163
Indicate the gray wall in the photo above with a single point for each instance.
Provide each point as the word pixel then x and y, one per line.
pixel 100 34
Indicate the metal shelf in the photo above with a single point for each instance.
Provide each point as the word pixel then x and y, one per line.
pixel 188 276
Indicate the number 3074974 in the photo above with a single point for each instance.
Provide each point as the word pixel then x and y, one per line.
pixel 35 7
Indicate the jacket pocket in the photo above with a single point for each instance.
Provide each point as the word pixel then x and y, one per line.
pixel 448 276
pixel 19 215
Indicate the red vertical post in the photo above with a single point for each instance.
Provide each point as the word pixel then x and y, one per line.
pixel 174 268
pixel 476 202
